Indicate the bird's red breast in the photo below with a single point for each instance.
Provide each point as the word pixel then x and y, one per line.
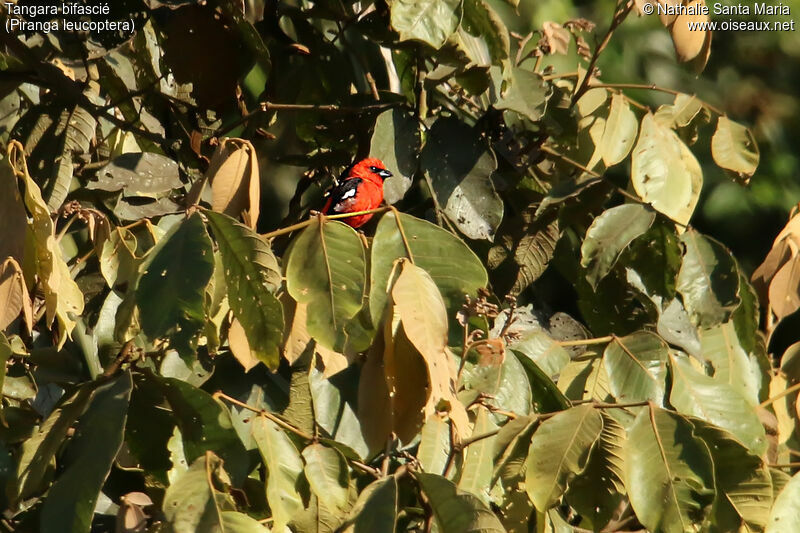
pixel 361 189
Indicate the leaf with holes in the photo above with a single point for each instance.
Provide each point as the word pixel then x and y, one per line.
pixel 252 275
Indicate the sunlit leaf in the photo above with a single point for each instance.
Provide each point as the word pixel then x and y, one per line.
pixel 326 267
pixel 734 148
pixel 620 131
pixel 327 474
pixel 784 516
pixel 668 471
pixel 428 21
pixel 284 471
pixel 396 142
pixel 559 451
pixel 434 250
pixel 455 511
pixel 715 401
pixel 636 366
pixel 664 171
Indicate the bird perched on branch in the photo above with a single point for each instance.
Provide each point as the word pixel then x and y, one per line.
pixel 361 189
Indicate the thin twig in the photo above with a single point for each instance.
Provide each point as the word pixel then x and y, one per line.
pixel 123 357
pixel 619 15
pixel 782 394
pixel 402 233
pixel 651 87
pixel 301 225
pixel 546 149
pixel 266 414
pixel 586 342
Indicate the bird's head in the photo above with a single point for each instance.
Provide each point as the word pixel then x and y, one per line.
pixel 371 169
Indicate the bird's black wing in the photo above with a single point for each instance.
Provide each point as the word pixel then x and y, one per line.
pixel 343 196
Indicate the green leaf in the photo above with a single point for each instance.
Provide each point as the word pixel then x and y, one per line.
pixel 743 482
pixel 456 511
pixel 428 21
pixel 505 383
pixel 708 280
pixel 585 380
pixel 434 444
pixel 559 451
pixel 190 502
pixel 171 290
pixel 75 131
pixel 328 476
pixel 459 167
pixel 233 522
pixel 545 395
pixel 734 148
pixel 620 131
pixel 434 249
pixel 252 275
pixel 118 261
pixel 326 266
pixel 784 515
pixel 636 366
pixel 668 472
pixel 715 401
pixel 609 234
pixel 139 174
pixel 396 142
pixel 664 171
pixel 205 425
pixel 5 354
pixel 300 411
pixel 88 459
pixel 721 347
pixel 480 20
pixel 596 494
pixel 540 348
pixel 375 511
pixel 284 471
pixel 476 471
pixel 334 412
pixel 38 451
pixel 533 253
pixel 519 90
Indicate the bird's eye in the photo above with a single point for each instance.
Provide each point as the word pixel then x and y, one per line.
pixel 374 169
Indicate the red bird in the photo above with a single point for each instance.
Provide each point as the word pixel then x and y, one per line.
pixel 360 190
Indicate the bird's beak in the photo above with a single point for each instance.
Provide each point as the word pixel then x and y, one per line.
pixel 384 174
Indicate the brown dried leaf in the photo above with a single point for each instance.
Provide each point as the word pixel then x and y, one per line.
pixel 237 339
pixel 14 296
pixel 421 310
pixel 667 20
pixel 557 37
pixel 298 339
pixel 784 289
pixel 63 297
pixel 235 180
pixel 15 220
pixel 778 278
pixel 690 44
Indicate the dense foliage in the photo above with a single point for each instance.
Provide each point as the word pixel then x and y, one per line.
pixel 529 336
